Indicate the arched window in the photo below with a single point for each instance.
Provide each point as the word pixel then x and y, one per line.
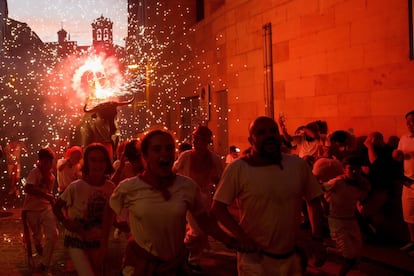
pixel 106 34
pixel 98 34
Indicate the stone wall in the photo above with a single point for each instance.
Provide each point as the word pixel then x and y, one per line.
pixel 343 61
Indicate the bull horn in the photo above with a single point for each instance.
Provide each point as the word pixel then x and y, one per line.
pixel 86 110
pixel 126 102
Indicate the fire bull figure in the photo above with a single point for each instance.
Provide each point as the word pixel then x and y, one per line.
pixel 100 124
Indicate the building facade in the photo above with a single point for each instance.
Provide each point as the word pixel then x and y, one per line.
pixel 63 47
pixel 3 16
pixel 346 62
pixel 102 34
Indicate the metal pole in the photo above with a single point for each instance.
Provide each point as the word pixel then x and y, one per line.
pixel 268 70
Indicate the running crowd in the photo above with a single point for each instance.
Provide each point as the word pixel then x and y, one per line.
pixel 341 187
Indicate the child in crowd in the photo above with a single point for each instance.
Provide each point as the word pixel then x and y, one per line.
pixel 344 193
pixel 129 163
pixel 37 206
pixel 69 168
pixel 89 218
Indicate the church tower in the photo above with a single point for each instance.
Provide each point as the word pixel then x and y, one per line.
pixel 62 36
pixel 102 36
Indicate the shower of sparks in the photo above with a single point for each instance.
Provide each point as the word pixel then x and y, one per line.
pixel 43 93
pixel 98 80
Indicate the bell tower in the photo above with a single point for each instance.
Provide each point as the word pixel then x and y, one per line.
pixel 62 36
pixel 102 35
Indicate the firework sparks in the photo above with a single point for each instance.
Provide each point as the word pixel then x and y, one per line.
pixel 44 93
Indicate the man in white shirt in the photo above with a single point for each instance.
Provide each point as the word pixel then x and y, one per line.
pixel 269 187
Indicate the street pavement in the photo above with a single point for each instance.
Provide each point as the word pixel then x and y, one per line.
pixel 220 261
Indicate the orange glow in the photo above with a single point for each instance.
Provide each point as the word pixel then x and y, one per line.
pixel 99 79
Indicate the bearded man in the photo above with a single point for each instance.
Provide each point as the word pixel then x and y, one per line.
pixel 269 186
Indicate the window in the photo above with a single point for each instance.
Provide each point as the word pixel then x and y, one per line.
pixel 106 34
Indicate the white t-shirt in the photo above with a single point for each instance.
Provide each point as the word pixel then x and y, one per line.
pixel 67 174
pixel 406 144
pixel 269 199
pixel 207 176
pixel 308 148
pixel 343 197
pixel 158 225
pixel 34 202
pixel 88 204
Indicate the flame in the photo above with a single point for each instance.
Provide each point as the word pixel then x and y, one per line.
pixel 99 79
